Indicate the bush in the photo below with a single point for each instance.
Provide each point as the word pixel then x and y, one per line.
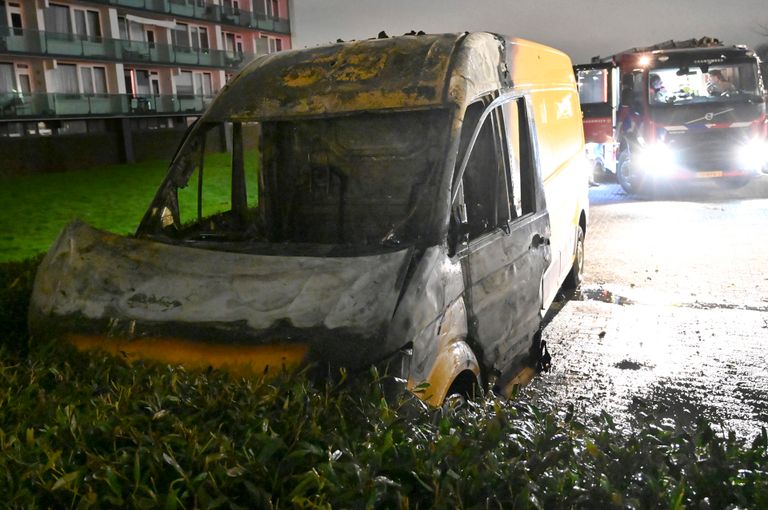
pixel 16 280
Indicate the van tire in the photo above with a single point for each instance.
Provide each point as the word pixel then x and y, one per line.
pixel 573 280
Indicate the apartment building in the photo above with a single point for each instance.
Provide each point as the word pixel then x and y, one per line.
pixel 104 81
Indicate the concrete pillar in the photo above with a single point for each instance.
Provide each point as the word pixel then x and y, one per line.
pixel 127 139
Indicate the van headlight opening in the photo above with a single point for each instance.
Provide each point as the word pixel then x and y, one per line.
pixel 753 155
pixel 656 158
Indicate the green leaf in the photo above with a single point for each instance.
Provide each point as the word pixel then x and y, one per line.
pixel 65 480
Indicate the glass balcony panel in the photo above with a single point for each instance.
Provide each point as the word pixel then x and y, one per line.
pixel 209 58
pixel 63 44
pixel 233 60
pixel 186 55
pixel 99 47
pixel 20 40
pixel 41 105
pixel 181 8
pixel 140 4
pixel 135 51
pixel 71 104
pixel 283 26
pixel 166 104
pixel 101 104
pixel 13 104
pixel 161 53
pixel 190 104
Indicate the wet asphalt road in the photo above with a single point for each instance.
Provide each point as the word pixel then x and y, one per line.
pixel 672 317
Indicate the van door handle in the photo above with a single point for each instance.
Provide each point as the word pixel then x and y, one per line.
pixel 538 240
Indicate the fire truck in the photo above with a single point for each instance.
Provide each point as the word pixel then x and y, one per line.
pixel 690 110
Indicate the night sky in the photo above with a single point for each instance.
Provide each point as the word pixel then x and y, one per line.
pixel 581 28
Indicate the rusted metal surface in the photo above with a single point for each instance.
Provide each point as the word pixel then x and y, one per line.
pixel 380 74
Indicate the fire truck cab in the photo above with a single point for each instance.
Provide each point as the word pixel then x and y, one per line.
pixel 676 110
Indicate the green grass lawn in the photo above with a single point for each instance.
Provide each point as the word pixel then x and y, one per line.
pixel 113 198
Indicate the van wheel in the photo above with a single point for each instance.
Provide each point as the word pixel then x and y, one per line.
pixel 573 280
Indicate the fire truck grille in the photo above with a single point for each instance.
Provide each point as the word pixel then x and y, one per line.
pixel 709 149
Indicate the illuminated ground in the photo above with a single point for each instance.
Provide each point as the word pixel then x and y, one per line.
pixel 673 313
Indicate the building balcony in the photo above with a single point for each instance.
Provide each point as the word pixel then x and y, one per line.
pixel 17 106
pixel 201 9
pixel 52 44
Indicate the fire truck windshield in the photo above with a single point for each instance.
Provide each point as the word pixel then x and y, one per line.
pixel 721 82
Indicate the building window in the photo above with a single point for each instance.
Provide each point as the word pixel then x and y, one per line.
pixel 181 36
pixel 57 19
pixel 270 44
pixel 14 19
pixel 233 44
pixel 7 81
pixel 73 127
pixel 184 84
pixel 199 38
pixel 203 84
pixel 13 129
pixel 94 80
pixel 87 24
pixel 65 79
pixel 196 83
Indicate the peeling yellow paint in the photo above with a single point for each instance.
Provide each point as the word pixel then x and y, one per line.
pixel 236 359
pixel 303 76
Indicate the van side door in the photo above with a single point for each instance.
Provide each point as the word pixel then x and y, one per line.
pixel 504 229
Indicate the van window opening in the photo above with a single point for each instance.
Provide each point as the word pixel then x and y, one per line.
pixel 359 180
pixel 484 193
pixel 521 162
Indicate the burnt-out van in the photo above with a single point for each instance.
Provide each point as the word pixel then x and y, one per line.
pixel 417 199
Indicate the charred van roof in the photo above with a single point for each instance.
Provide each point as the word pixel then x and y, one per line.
pixel 395 72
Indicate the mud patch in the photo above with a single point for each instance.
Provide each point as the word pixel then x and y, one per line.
pixel 602 295
pixel 629 365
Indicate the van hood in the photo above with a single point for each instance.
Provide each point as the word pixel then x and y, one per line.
pixel 97 283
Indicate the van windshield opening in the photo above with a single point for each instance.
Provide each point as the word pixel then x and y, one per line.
pixel 367 180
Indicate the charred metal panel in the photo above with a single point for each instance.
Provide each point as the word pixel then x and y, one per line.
pixel 379 74
pixel 435 284
pixel 504 271
pixel 102 277
pixel 478 68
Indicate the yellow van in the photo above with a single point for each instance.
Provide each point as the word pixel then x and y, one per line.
pixel 416 200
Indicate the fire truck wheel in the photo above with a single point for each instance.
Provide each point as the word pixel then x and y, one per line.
pixel 624 174
pixel 735 182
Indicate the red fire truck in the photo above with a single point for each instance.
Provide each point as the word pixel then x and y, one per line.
pixel 690 109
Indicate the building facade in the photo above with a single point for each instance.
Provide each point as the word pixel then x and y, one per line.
pixel 114 81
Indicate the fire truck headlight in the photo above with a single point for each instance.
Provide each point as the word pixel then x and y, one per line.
pixel 754 154
pixel 656 158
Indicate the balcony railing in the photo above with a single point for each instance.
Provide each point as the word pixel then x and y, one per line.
pixel 201 9
pixel 15 105
pixel 101 48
